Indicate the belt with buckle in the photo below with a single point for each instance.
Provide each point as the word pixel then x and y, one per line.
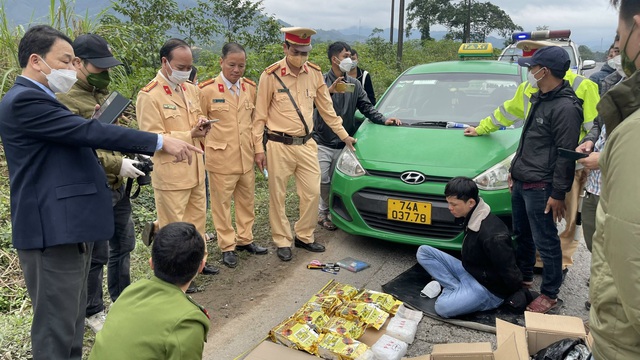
pixel 288 139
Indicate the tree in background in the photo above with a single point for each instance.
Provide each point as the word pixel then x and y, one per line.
pixel 585 52
pixel 482 18
pixel 485 18
pixel 422 14
pixel 241 21
pixel 139 37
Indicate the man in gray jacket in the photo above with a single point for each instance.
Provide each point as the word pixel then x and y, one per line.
pixel 347 95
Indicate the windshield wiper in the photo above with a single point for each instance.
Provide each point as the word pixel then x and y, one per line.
pixel 431 123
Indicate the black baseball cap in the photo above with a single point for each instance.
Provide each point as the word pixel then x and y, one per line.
pixel 94 48
pixel 551 57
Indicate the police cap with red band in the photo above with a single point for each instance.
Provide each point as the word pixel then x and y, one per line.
pixel 299 37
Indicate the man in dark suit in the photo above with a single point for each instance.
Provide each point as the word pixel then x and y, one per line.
pixel 60 199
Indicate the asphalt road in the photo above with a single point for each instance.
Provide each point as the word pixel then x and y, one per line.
pixel 295 285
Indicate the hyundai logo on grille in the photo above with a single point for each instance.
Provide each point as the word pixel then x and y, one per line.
pixel 412 177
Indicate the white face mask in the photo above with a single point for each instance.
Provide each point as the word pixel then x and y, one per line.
pixel 617 64
pixel 178 77
pixel 345 65
pixel 354 64
pixel 531 78
pixel 611 63
pixel 60 80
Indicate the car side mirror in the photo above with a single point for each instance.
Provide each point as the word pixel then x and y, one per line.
pixel 588 64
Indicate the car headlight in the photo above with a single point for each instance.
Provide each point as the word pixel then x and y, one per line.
pixel 496 177
pixel 348 164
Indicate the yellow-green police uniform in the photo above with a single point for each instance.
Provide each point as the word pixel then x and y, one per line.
pixel 152 320
pixel 275 110
pixel 229 154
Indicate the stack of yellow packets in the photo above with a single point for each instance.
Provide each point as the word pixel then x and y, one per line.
pixel 330 323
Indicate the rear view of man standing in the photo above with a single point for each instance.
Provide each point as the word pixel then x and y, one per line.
pixel 540 178
pixel 60 202
pixel 93 61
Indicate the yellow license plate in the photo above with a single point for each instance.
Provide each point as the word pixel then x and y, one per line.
pixel 409 211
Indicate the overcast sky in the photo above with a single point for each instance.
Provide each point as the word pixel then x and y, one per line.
pixel 590 21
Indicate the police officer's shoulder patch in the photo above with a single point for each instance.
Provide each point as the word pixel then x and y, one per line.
pixel 248 81
pixel 204 311
pixel 314 66
pixel 273 67
pixel 150 86
pixel 205 83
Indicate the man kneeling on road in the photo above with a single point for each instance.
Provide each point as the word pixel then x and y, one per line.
pixel 488 272
pixel 155 319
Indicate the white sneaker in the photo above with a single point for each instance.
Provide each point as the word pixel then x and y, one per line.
pixel 96 321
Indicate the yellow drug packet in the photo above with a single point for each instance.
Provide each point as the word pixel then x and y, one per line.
pixel 336 347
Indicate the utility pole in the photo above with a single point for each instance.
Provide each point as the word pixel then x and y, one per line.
pixel 393 5
pixel 400 31
pixel 467 31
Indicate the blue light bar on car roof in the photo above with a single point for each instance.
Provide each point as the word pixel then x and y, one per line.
pixel 541 35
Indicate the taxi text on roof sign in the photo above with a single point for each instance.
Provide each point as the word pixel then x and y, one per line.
pixel 475 50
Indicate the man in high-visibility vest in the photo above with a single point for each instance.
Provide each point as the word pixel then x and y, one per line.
pixel 517 108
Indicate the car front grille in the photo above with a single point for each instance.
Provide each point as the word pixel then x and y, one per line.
pixel 396 175
pixel 372 207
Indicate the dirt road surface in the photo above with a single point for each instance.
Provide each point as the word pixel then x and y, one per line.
pixel 246 302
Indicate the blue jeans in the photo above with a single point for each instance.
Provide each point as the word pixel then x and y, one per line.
pixel 533 230
pixel 461 292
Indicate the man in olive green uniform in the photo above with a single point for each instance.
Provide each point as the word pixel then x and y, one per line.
pixel 93 61
pixel 229 153
pixel 155 319
pixel 170 105
pixel 287 92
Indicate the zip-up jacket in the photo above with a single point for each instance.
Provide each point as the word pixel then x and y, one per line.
pixel 553 123
pixel 345 106
pixel 488 254
pixel 517 108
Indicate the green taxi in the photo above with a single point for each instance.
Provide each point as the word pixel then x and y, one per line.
pixel 392 186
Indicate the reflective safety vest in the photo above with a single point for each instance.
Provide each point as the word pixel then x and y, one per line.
pixel 517 108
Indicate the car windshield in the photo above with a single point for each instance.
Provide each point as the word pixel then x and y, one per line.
pixel 434 99
pixel 512 53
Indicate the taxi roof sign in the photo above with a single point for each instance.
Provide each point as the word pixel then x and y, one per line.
pixel 475 50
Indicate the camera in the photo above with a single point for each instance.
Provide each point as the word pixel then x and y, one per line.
pixel 146 166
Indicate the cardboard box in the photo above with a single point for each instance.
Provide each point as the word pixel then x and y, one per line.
pixel 268 350
pixel 467 351
pixel 543 330
pixel 515 342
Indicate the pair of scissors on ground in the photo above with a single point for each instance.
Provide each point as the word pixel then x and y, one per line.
pixel 331 268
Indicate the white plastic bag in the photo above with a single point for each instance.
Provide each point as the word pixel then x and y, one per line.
pixel 389 348
pixel 406 313
pixel 402 329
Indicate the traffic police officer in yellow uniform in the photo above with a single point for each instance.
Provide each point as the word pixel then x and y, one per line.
pixel 229 153
pixel 170 105
pixel 287 92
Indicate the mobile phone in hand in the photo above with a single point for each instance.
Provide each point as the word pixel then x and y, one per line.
pixel 209 122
